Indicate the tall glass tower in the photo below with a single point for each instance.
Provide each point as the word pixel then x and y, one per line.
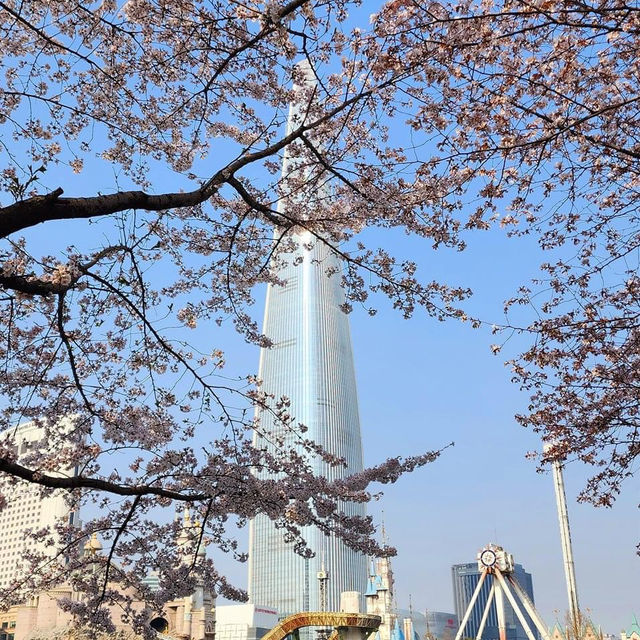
pixel 311 363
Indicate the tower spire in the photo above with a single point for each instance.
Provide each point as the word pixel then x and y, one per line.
pixel 304 88
pixel 383 532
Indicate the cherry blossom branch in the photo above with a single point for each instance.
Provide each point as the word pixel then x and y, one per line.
pixel 412 288
pixel 270 26
pixel 109 562
pixel 33 285
pixel 42 208
pixel 82 482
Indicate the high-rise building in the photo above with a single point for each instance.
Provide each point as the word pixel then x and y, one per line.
pixel 465 579
pixel 311 363
pixel 25 510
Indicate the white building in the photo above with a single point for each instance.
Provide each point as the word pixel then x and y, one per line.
pixel 26 511
pixel 244 621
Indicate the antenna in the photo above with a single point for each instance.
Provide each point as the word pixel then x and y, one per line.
pixel 427 634
pixel 323 578
pixel 384 533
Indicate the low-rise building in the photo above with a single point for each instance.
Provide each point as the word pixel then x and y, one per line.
pixel 244 621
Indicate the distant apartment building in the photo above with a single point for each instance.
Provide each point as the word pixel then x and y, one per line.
pixel 431 625
pixel 26 511
pixel 465 579
pixel 440 625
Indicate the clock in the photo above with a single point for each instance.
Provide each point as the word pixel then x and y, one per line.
pixel 488 557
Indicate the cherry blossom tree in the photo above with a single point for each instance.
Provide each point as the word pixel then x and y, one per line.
pixel 153 133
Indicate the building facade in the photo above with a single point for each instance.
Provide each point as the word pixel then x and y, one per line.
pixel 244 621
pixel 311 363
pixel 42 617
pixel 192 617
pixel 26 510
pixel 465 579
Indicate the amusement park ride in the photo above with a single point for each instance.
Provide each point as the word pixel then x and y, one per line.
pixel 347 626
pixel 494 561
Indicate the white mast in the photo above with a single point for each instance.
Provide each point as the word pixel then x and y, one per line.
pixel 565 539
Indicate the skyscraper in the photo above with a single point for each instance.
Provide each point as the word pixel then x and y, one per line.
pixel 311 363
pixel 465 578
pixel 26 511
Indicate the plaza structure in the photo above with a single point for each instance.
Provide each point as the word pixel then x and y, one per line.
pixel 26 510
pixel 311 363
pixel 465 579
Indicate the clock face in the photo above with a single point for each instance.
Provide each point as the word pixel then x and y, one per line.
pixel 488 558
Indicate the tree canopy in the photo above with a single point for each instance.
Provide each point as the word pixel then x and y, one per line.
pixel 156 130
